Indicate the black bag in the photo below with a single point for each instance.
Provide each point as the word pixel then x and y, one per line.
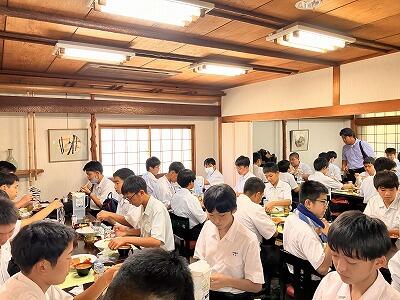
pixel 110 204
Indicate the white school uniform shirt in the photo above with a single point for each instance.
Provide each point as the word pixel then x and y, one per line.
pixel 5 255
pixel 303 169
pixel 333 288
pixel 397 167
pixel 156 223
pixel 258 172
pixel 254 217
pixel 330 183
pixel 185 204
pixel 101 190
pixel 390 216
pixel 367 188
pixel 241 181
pixel 151 182
pixel 334 172
pixel 289 179
pixel 130 212
pixel 394 268
pixel 237 254
pixel 215 177
pixel 164 190
pixel 282 191
pixel 20 287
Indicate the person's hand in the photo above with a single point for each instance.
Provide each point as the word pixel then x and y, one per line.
pixel 218 281
pixel 120 230
pixel 111 272
pixel 269 206
pixel 56 204
pixel 85 189
pixel 326 229
pixel 24 201
pixel 103 215
pixel 117 242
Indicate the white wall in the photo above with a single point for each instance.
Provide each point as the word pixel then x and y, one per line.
pixel 62 177
pixel 267 135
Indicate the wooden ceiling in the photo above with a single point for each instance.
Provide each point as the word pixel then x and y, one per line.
pixel 34 63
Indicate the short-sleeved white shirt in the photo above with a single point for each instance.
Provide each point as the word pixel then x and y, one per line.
pixel 241 181
pixel 130 212
pixel 214 178
pixel 367 188
pixel 334 172
pixel 185 204
pixel 394 268
pixel 5 255
pixel 258 172
pixel 254 217
pixel 333 288
pixel 282 191
pixel 156 223
pixel 390 216
pixel 164 190
pixel 303 169
pixel 237 254
pixel 20 287
pixel 101 190
pixel 289 179
pixel 151 182
pixel 330 183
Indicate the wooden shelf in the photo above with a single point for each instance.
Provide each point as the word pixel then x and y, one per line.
pixel 25 173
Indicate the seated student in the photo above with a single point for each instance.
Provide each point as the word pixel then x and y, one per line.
pixel 359 244
pixel 386 205
pixel 165 187
pixel 391 153
pixel 394 268
pixel 242 164
pixel 10 226
pixel 251 214
pixel 305 231
pixel 369 168
pixel 298 168
pixel 153 168
pixel 367 188
pixel 231 250
pixel 7 167
pixel 213 175
pixel 98 188
pixel 126 214
pixel 257 169
pixel 43 253
pixel 334 170
pixel 152 274
pixel 285 176
pixel 155 229
pixel 277 193
pixel 9 183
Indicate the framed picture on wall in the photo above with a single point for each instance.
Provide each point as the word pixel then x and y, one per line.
pixel 68 145
pixel 299 140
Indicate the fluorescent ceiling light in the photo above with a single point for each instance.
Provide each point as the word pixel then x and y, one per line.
pixel 89 52
pixel 309 38
pixel 174 12
pixel 213 68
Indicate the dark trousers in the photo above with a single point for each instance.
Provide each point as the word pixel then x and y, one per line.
pixel 229 296
pixel 350 176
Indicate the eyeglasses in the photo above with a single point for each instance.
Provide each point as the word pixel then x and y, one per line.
pixel 130 197
pixel 324 202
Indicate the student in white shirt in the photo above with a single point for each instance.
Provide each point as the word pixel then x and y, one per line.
pixel 165 187
pixel 394 268
pixel 155 228
pixel 10 184
pixel 334 170
pixel 43 253
pixel 231 250
pixel 213 176
pixel 257 169
pixel 305 231
pixel 277 193
pixel 185 204
pixel 391 153
pixel 285 176
pixel 298 168
pixel 369 171
pixel 242 164
pixel 153 168
pixel 359 246
pixel 386 205
pixel 99 187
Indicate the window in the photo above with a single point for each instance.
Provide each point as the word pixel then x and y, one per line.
pixel 131 146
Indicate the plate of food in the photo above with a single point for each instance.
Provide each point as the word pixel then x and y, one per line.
pixel 102 244
pixel 82 258
pixel 85 230
pixel 24 212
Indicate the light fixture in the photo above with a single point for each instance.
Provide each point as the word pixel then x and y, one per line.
pixel 308 4
pixel 174 12
pixel 302 36
pixel 90 52
pixel 214 68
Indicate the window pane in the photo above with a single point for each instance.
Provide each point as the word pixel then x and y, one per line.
pixel 107 147
pixel 106 134
pixel 132 158
pixel 120 146
pixel 177 145
pixel 120 159
pixel 186 144
pixel 166 134
pixel 156 134
pixel 166 145
pixel 143 146
pixel 132 134
pixel 177 134
pixel 155 146
pixel 133 146
pixel 187 134
pixel 107 159
pixel 143 134
pixel 119 134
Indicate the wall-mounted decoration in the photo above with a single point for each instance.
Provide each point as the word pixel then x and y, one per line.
pixel 299 140
pixel 68 145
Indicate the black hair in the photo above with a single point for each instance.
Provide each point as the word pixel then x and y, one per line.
pixel 7 167
pixel 384 163
pixel 8 178
pixel 93 166
pixel 152 274
pixel 390 151
pixel 294 154
pixel 331 154
pixel 123 173
pixel 152 162
pixel 256 156
pixel 320 163
pixel 209 161
pixel 185 177
pixel 242 161
pixel 176 166
pixel 44 240
pixel 220 197
pixel 133 184
pixel 369 160
pixel 324 155
pixel 347 132
pixel 359 236
pixel 283 165
pixel 253 185
pixel 8 212
pixel 311 190
pixel 270 167
pixel 386 179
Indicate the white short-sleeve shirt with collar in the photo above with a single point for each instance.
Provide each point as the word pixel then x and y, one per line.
pixel 20 287
pixel 289 179
pixel 394 268
pixel 389 215
pixel 333 288
pixel 214 178
pixel 241 181
pixel 237 254
pixel 254 217
pixel 5 255
pixel 334 172
pixel 367 188
pixel 258 172
pixel 164 190
pixel 130 212
pixel 101 190
pixel 282 191
pixel 328 182
pixel 303 169
pixel 185 204
pixel 151 182
pixel 156 223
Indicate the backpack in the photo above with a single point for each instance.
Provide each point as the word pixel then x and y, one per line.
pixel 110 204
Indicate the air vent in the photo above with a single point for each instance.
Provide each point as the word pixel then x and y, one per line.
pixel 308 4
pixel 123 72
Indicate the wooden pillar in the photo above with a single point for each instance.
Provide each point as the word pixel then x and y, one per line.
pixel 220 144
pixel 284 140
pixel 93 126
pixel 336 86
